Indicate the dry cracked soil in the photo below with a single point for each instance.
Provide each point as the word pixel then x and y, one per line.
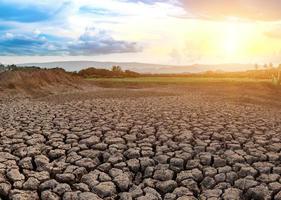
pixel 139 145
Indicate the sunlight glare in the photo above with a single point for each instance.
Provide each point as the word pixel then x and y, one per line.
pixel 231 39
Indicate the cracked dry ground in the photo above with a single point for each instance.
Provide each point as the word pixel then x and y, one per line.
pixel 146 148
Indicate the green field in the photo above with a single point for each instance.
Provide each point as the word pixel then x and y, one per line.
pixel 151 81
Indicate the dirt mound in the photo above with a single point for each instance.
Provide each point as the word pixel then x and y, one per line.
pixel 38 82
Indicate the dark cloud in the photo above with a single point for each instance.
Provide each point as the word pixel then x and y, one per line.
pixel 95 41
pixel 28 45
pixel 265 10
pixel 92 42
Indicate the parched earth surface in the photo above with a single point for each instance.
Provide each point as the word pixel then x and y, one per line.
pixel 149 146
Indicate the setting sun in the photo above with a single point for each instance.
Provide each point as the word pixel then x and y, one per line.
pixel 231 39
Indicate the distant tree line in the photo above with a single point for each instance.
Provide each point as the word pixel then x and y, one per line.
pixel 13 67
pixel 2 67
pixel 267 71
pixel 115 72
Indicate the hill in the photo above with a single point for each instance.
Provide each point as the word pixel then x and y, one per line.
pixel 142 67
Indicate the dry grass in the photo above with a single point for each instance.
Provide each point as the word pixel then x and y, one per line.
pixel 143 82
pixel 238 90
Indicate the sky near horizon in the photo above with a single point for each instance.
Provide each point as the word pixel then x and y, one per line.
pixel 179 32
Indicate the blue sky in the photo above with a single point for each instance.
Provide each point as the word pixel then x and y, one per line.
pixel 157 31
pixel 29 29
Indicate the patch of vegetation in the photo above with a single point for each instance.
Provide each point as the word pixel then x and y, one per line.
pixel 115 72
pixel 4 68
pixel 156 81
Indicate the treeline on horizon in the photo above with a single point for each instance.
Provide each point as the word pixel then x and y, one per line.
pixel 265 72
pixel 13 67
pixel 115 72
